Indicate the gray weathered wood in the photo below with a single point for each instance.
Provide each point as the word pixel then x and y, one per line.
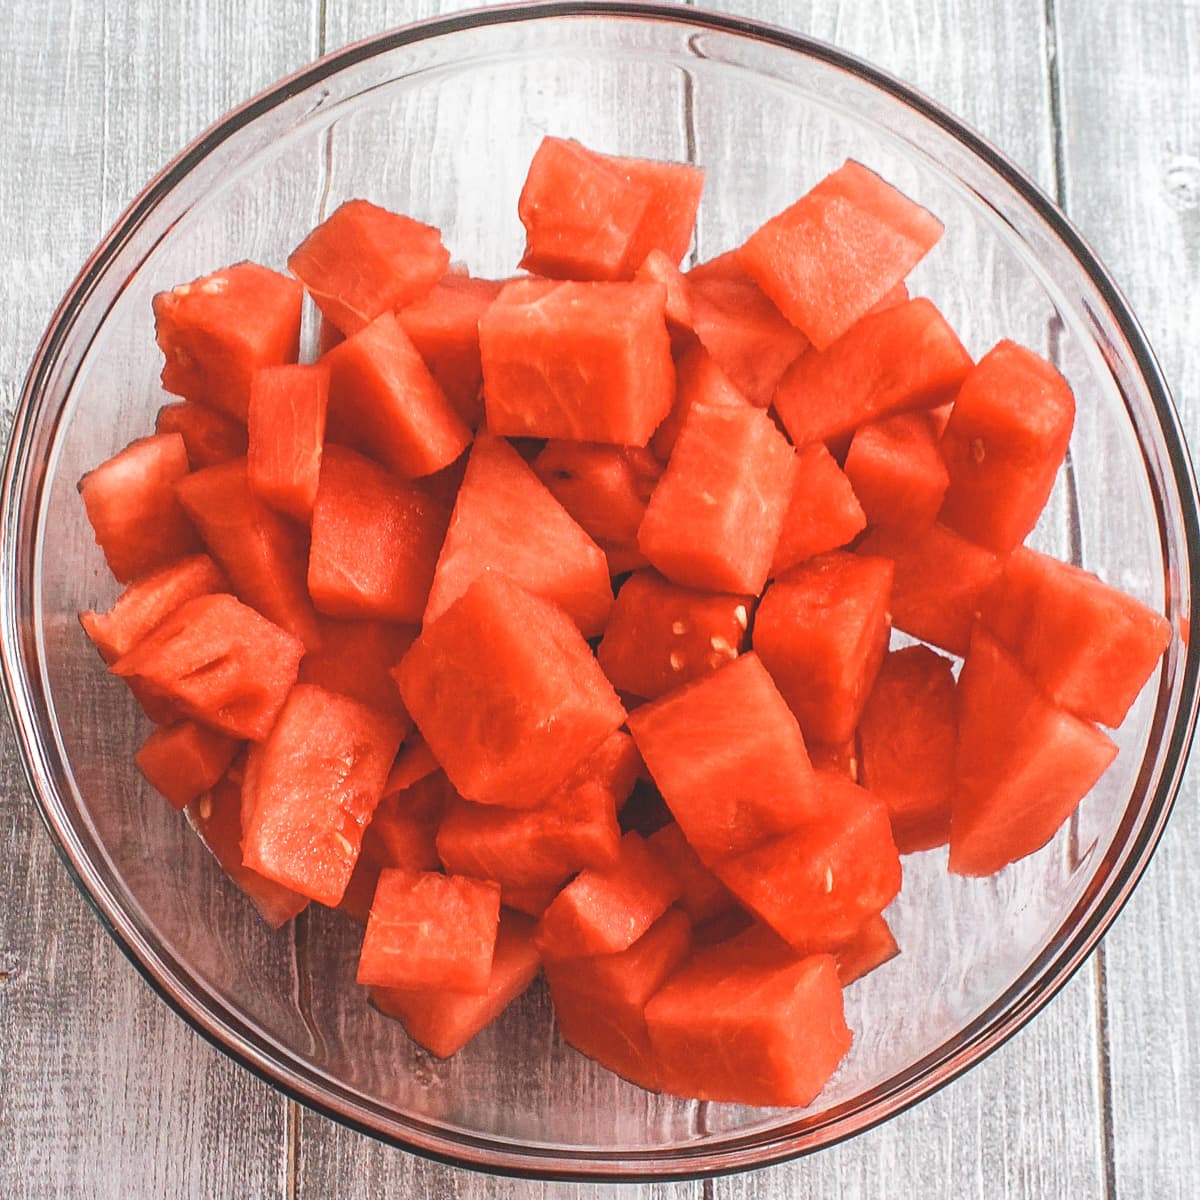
pixel 1131 166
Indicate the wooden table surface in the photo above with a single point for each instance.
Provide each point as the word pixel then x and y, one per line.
pixel 105 1093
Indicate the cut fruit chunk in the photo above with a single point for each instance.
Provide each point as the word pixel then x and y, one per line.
pixel 670 219
pixel 287 435
pixel 715 517
pixel 823 512
pixel 661 636
pixel 507 694
pixel 444 1021
pixel 506 520
pixel 605 910
pixel 897 472
pixel 1090 647
pixel 749 1028
pixel 835 253
pixel 586 362
pixel 211 437
pixel 414 762
pixel 701 894
pixel 822 630
pixel 1003 445
pixel 698 380
pixel 375 541
pixel 363 260
pixel 729 759
pixel 403 830
pixel 658 268
pixel 185 760
pixel 355 660
pixel 872 946
pixel 430 931
pixel 130 502
pixel 907 737
pixel 1022 765
pixel 320 776
pixel 905 357
pixel 262 553
pixel 217 331
pixel 384 402
pixel 220 662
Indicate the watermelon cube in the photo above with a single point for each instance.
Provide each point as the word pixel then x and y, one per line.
pixel 185 760
pixel 130 502
pixel 1088 646
pixel 414 762
pixel 839 757
pixel 430 931
pixel 588 362
pixel 897 472
pixel 362 261
pixel 262 553
pixel 657 267
pixel 698 380
pixel 728 758
pixel 444 1021
pixel 216 332
pixel 211 437
pixel 532 901
pixel 670 218
pixel 872 946
pixel 320 776
pixel 505 519
pixel 714 520
pixel 835 253
pixel 220 662
pixel 375 541
pixel 286 436
pixel 823 512
pixel 822 631
pixel 701 894
pixel 1003 445
pixel 507 694
pixel 1022 765
pixel 749 1027
pixel 403 828
pixel 600 1002
pixel 906 357
pixel 907 737
pixel 384 402
pixel 661 636
pixel 605 910
pixel 355 660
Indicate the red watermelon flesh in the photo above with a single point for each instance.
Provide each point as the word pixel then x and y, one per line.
pixel 185 760
pixel 375 541
pixel 506 520
pixel 286 436
pixel 130 502
pixel 355 660
pixel 749 1028
pixel 872 946
pixel 600 1002
pixel 670 218
pixel 729 760
pixel 444 1021
pixel 320 776
pixel 430 931
pixel 939 582
pixel 1090 647
pixel 220 662
pixel 363 260
pixel 817 885
pixel 835 253
pixel 906 357
pixel 532 901
pixel 822 630
pixel 403 828
pixel 1022 766
pixel 897 472
pixel 147 603
pixel 217 331
pixel 414 762
pixel 658 268
pixel 507 694
pixel 890 299
pixel 587 362
pixel 698 380
pixel 444 327
pixel 262 552
pixel 605 910
pixel 907 737
pixel 211 437
pixel 714 520
pixel 661 636
pixel 605 489
pixel 701 894
pixel 838 757
pixel 384 402
pixel 823 511
pixel 1003 445
pixel 217 818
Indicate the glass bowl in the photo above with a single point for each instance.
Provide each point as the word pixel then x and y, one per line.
pixel 439 120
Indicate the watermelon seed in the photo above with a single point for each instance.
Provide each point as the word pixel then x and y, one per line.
pixel 678 628
pixel 676 661
pixel 828 879
pixel 721 646
pixel 205 807
pixel 741 616
pixel 978 452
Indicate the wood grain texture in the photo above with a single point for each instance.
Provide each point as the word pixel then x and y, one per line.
pixel 1131 168
pixel 104 1092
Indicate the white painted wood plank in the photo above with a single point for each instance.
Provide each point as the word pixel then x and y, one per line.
pixel 104 1092
pixel 1131 158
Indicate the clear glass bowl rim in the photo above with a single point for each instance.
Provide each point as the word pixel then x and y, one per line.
pixel 1003 1018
